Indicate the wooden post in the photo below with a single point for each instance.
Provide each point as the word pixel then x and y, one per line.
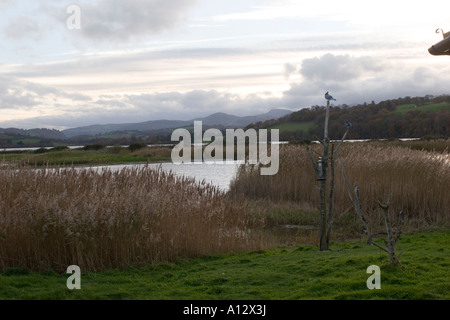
pixel 321 169
pixel 327 116
pixel 331 197
pixel 323 243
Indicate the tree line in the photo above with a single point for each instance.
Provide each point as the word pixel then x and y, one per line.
pixel 371 121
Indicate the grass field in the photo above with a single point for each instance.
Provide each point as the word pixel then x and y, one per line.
pixel 282 273
pixel 426 107
pixel 80 156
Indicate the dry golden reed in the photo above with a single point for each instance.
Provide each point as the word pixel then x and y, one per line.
pixel 418 180
pixel 53 218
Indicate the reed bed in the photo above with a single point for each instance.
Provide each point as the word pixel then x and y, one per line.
pixel 434 145
pixel 417 179
pixel 103 219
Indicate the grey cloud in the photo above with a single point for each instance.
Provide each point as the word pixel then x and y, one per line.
pixel 15 101
pixel 197 103
pixel 338 67
pixel 22 27
pixel 42 90
pixel 13 95
pixel 122 20
pixel 20 94
pixel 303 94
pixel 111 103
pixel 144 107
pixel 365 82
pixel 288 69
pixel 76 96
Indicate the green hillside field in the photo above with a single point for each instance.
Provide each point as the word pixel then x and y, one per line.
pixel 431 107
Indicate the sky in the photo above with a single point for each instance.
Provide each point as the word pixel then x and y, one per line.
pixel 66 64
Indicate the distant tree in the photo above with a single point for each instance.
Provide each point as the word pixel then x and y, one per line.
pixel 96 146
pixel 374 121
pixel 136 146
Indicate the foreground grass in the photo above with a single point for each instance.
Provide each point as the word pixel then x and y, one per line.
pixel 283 273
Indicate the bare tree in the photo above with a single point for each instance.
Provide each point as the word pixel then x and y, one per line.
pixel 393 234
pixel 326 216
pixel 321 169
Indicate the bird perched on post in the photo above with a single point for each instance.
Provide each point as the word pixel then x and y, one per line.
pixel 348 124
pixel 329 97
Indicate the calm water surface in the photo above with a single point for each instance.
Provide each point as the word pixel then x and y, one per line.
pixel 219 174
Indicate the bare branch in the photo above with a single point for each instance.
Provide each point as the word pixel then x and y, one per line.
pixel 385 206
pixel 318 139
pixel 378 246
pixel 401 218
pixel 340 142
pixel 312 160
pixel 392 236
pixel 355 200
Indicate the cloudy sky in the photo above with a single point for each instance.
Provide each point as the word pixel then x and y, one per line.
pixel 73 63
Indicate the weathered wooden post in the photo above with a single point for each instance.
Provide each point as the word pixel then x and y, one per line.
pixel 321 168
pixel 323 245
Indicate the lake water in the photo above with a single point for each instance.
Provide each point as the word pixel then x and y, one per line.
pixel 219 174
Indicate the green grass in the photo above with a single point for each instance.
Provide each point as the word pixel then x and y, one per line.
pixel 283 273
pixel 79 157
pixel 294 126
pixel 431 107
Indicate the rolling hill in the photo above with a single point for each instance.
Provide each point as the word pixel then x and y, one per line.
pixel 216 119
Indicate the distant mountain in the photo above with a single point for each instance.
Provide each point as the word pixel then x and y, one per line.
pixel 220 119
pixel 140 126
pixel 216 119
pixel 227 120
